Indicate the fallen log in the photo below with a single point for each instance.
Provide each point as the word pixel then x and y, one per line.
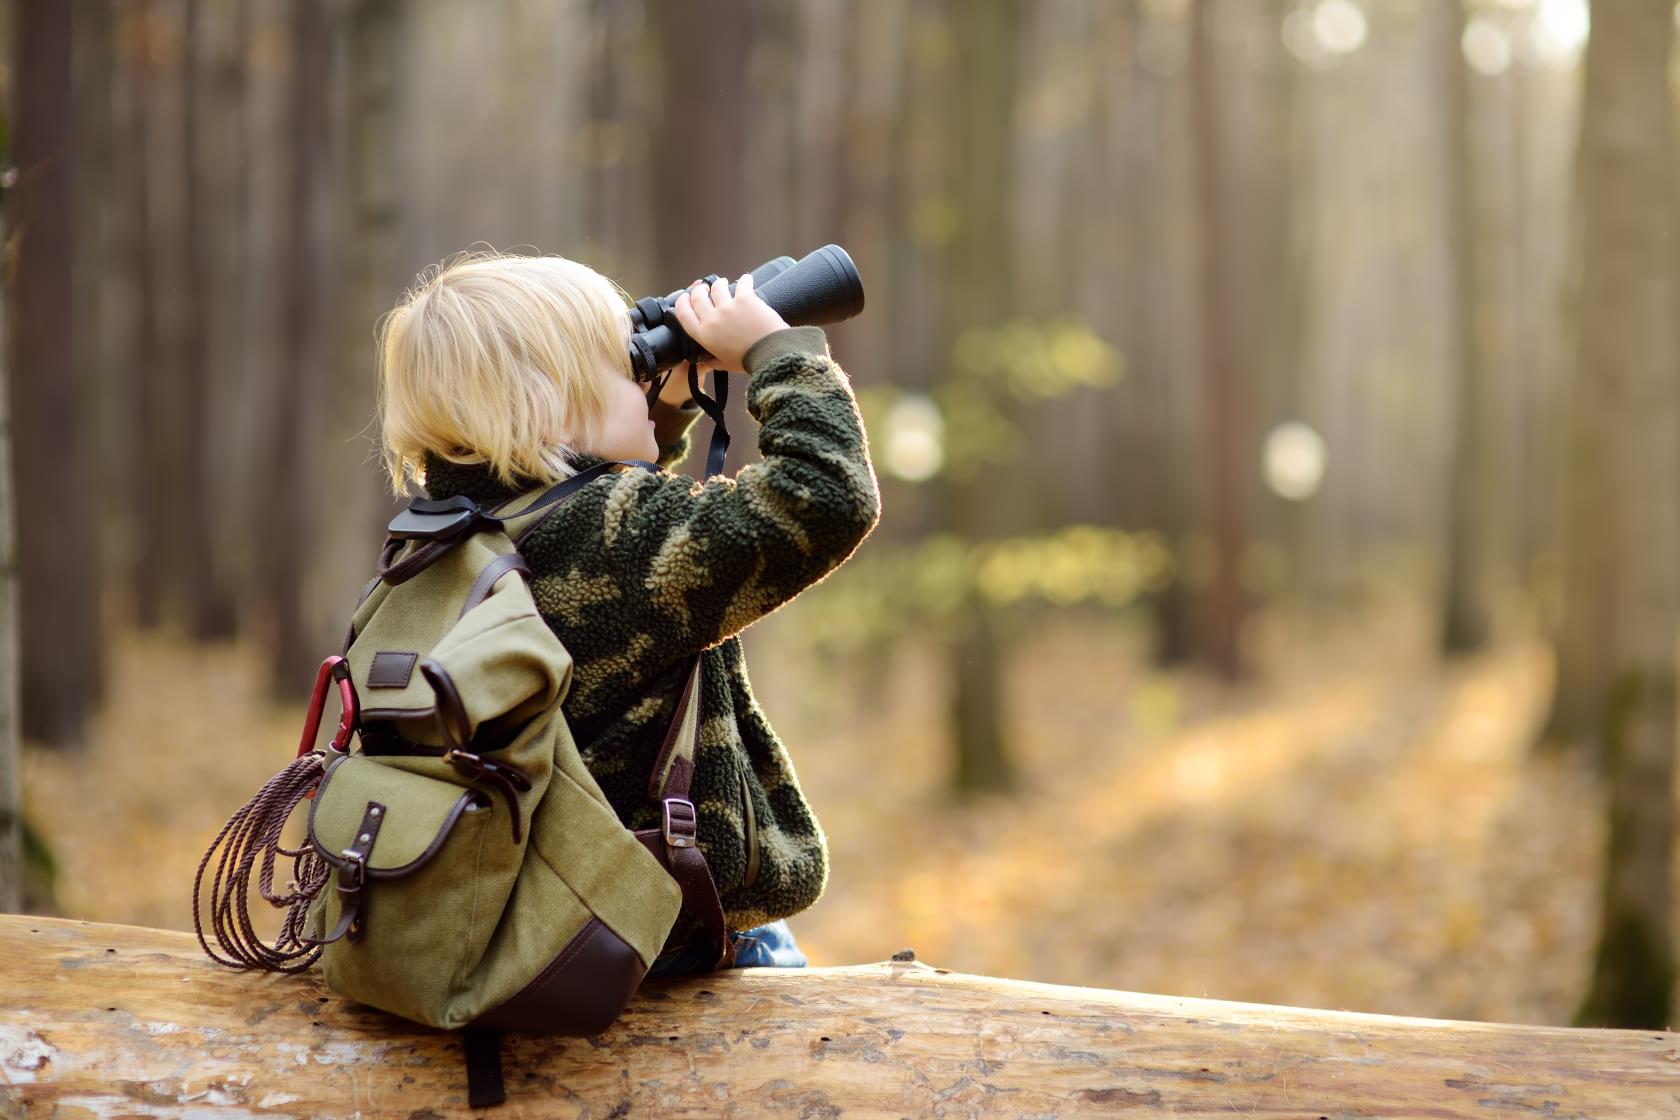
pixel 102 1020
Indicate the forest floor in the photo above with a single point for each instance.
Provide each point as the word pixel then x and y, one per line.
pixel 1364 828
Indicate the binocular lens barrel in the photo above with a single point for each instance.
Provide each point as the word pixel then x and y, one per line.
pixel 821 287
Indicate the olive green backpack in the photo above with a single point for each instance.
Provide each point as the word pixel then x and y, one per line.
pixel 462 868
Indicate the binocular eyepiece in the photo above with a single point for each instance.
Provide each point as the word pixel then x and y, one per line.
pixel 822 287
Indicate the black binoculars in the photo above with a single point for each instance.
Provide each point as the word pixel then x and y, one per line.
pixel 823 287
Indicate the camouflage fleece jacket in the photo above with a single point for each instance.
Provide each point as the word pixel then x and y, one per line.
pixel 638 571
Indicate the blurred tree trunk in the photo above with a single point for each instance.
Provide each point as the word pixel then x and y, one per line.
pixel 916 315
pixel 58 558
pixel 821 121
pixel 633 173
pixel 1050 224
pixel 1464 621
pixel 1283 307
pixel 701 219
pixel 372 203
pixel 1627 390
pixel 986 34
pixel 1159 355
pixel 289 532
pixel 1583 639
pixel 1222 373
pixel 866 217
pixel 96 285
pixel 208 606
pixel 11 789
pixel 174 424
pixel 146 477
pixel 1110 286
pixel 1097 253
pixel 1257 81
pixel 604 147
pixel 211 227
pixel 1526 456
pixel 225 162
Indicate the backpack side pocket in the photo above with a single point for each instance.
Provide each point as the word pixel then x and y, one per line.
pixel 415 892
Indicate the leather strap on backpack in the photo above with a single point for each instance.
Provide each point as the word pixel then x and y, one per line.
pixel 519 520
pixel 676 841
pixel 458 516
pixel 484 1068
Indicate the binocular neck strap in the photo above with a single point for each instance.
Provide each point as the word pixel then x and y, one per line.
pixel 712 407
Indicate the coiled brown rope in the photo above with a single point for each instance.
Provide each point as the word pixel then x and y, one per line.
pixel 252 831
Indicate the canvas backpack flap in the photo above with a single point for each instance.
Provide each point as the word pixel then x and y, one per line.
pixel 492 642
pixel 505 663
pixel 589 879
pixel 402 846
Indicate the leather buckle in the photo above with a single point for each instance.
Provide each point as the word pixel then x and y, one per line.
pixel 467 764
pixel 682 824
pixel 352 878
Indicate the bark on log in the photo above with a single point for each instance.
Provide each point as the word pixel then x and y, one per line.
pixel 112 1020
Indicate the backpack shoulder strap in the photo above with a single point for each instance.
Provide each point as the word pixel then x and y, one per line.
pixel 673 769
pixel 675 843
pixel 519 516
pixel 436 526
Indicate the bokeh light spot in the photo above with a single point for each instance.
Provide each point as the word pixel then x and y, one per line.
pixel 1340 26
pixel 914 439
pixel 1294 460
pixel 1559 32
pixel 1487 47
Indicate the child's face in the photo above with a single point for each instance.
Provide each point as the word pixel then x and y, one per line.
pixel 626 433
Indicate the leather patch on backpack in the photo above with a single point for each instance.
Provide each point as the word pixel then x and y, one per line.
pixel 391 669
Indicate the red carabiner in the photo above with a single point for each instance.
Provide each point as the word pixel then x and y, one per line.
pixel 335 668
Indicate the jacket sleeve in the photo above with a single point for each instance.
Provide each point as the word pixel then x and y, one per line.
pixel 697 562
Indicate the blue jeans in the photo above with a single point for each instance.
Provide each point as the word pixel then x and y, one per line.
pixel 770 946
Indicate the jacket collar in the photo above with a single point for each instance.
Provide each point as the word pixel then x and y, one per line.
pixel 446 479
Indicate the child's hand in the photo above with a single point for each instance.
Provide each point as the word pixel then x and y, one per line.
pixel 726 324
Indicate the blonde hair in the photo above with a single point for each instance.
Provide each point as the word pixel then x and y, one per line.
pixel 497 359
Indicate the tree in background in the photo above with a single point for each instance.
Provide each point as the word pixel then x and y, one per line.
pixel 1627 406
pixel 98 279
pixel 700 195
pixel 1222 370
pixel 223 128
pixel 212 236
pixel 1583 636
pixel 981 300
pixel 57 558
pixel 11 794
pixel 288 529
pixel 1157 452
pixel 1470 512
pixel 147 493
pixel 372 203
pixel 208 610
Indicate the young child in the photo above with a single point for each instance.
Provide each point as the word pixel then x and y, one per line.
pixel 500 374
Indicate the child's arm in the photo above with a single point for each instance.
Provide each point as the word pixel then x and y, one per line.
pixel 694 563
